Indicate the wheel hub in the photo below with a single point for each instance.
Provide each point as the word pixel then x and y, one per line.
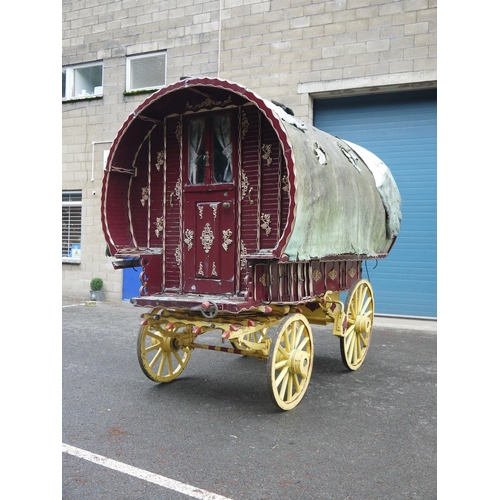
pixel 363 324
pixel 299 362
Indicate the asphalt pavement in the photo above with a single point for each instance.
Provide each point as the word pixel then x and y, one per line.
pixel 214 433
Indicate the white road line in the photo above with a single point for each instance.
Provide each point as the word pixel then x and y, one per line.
pixel 171 484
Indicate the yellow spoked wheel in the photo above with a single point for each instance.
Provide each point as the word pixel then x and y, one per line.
pixel 359 309
pixel 290 362
pixel 160 356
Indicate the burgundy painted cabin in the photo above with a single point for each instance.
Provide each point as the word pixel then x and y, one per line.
pixel 223 196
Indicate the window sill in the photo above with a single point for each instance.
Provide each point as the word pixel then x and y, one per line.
pixel 69 260
pixel 141 91
pixel 82 98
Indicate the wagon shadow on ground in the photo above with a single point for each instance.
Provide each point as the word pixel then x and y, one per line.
pixel 236 382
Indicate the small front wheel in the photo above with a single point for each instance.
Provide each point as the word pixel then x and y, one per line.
pixel 290 362
pixel 160 357
pixel 359 309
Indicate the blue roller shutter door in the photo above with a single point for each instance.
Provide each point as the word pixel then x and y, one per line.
pixel 401 130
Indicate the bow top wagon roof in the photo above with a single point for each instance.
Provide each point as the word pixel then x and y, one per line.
pixel 343 199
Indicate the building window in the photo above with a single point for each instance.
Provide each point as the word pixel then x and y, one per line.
pixel 84 80
pixel 71 226
pixel 146 71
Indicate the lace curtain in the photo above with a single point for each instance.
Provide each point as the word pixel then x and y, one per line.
pixel 222 129
pixel 196 143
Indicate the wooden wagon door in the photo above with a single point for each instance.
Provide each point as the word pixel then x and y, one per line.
pixel 209 207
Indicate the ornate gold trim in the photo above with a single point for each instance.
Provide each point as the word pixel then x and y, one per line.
pixel 266 223
pixel 226 235
pixel 188 240
pixel 267 154
pixel 207 238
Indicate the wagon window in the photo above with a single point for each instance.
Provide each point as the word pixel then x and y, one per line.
pixel 223 149
pixel 71 226
pixel 196 153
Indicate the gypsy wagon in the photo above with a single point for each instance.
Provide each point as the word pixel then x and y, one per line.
pixel 246 221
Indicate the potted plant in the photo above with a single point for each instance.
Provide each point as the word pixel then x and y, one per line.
pixel 96 291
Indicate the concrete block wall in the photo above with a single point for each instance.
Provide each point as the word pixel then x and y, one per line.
pixel 288 50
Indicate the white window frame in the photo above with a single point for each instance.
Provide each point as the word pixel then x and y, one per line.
pixel 71 88
pixel 72 233
pixel 130 59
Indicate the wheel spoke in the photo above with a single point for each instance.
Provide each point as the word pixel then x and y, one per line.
pixel 155 358
pixel 162 365
pixel 304 342
pixel 284 385
pixel 281 376
pixel 156 336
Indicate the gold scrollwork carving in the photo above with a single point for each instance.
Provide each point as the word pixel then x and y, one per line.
pixel 214 269
pixel 316 275
pixel 160 159
pixel 178 132
pixel 267 154
pixel 188 240
pixel 244 124
pixel 208 103
pixel 200 210
pixel 214 207
pixel 178 255
pixel 200 270
pixel 286 184
pixel 351 272
pixel 243 255
pixel 144 196
pixel 207 238
pixel 266 223
pixel 160 223
pixel 333 274
pixel 226 235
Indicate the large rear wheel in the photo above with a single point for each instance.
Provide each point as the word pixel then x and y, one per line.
pixel 359 309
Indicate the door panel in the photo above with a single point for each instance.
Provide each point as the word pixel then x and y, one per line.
pixel 209 247
pixel 209 208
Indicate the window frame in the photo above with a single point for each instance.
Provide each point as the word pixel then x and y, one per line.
pixel 73 227
pixel 128 78
pixel 71 79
